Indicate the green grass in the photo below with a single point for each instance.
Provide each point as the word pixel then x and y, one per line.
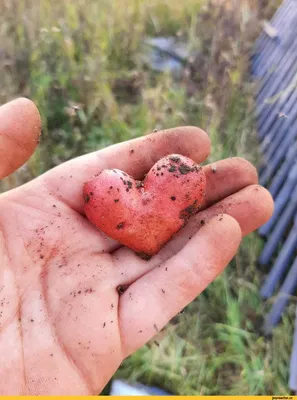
pixel 88 53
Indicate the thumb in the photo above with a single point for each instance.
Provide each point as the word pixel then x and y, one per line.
pixel 20 127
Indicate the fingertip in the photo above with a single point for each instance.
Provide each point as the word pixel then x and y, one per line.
pixel 30 114
pixel 217 241
pixel 265 203
pixel 24 102
pixel 246 168
pixel 190 141
pixel 227 228
pixel 23 119
pixel 203 139
pixel 226 177
pixel 252 208
pixel 20 126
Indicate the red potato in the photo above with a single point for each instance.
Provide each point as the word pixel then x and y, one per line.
pixel 145 215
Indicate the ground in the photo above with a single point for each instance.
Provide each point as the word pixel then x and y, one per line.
pixel 83 66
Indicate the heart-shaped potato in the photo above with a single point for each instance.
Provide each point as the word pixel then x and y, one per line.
pixel 144 215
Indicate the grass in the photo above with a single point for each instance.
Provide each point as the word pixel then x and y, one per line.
pixel 88 53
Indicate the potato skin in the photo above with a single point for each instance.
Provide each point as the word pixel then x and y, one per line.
pixel 145 215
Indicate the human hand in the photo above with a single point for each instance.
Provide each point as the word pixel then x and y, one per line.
pixel 65 325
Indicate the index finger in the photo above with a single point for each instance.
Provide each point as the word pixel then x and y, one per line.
pixel 153 299
pixel 135 157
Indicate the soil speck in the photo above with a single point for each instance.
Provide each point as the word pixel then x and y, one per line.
pixel 139 184
pixel 188 211
pixel 87 198
pixel 175 159
pixel 143 255
pixel 184 169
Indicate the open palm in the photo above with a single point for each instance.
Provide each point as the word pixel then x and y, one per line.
pixel 73 302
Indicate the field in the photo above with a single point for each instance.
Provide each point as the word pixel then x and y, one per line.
pixel 83 64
